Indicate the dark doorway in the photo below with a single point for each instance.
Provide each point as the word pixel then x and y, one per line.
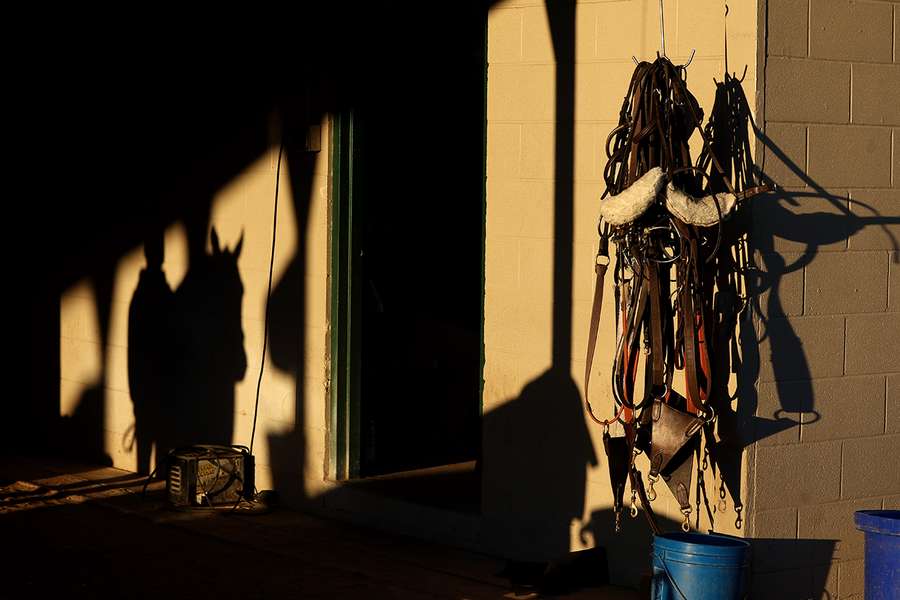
pixel 414 211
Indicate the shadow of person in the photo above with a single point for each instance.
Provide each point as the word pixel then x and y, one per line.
pixel 536 452
pixel 149 356
pixel 209 345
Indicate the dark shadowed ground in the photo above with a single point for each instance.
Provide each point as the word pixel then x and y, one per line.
pixel 72 531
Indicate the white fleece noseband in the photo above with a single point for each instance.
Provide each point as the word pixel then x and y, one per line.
pixel 634 200
pixel 699 211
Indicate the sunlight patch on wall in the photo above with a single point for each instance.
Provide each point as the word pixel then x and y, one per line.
pixel 245 208
pixel 81 352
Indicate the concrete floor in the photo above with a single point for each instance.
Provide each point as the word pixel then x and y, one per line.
pixel 76 531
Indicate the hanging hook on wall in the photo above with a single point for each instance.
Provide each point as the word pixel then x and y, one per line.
pixel 662 29
pixel 726 38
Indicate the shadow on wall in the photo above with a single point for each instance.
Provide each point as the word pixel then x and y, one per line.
pixel 786 569
pixel 151 381
pixel 769 226
pixel 83 432
pixel 820 219
pixel 186 347
pixel 788 228
pixel 537 447
pixel 286 311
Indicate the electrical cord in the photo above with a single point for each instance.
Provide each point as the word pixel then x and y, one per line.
pixel 262 362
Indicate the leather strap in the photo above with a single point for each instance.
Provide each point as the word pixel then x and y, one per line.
pixel 600 267
pixel 637 483
pixel 618 455
pixel 679 480
pixel 656 331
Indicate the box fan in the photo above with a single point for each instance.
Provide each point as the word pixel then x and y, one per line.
pixel 208 475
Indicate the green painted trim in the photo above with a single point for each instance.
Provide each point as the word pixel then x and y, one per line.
pixel 353 346
pixel 336 433
pixel 343 430
pixel 484 151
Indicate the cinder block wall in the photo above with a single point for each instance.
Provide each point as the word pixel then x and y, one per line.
pixel 94 356
pixel 520 248
pixel 829 326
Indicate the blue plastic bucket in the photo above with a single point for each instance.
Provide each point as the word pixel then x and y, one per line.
pixel 696 566
pixel 882 529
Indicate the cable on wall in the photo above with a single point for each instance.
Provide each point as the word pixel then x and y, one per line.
pixel 262 362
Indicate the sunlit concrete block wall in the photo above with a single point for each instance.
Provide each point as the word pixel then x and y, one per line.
pixel 520 249
pixel 829 322
pixel 243 208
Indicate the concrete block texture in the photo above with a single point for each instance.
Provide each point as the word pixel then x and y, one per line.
pixel 798 475
pixel 895 168
pixel 842 407
pixel 788 27
pixel 850 156
pixel 851 30
pixel 835 521
pixel 780 291
pixel 777 523
pixel 869 466
pixel 896 34
pixel 894 283
pixel 521 92
pixel 846 282
pixel 875 95
pixel 871 343
pixel 892 406
pixel 807 90
pixel 831 89
pixel 785 154
pixel 781 407
pixel 851 579
pixel 877 214
pixel 505 33
pixel 801 348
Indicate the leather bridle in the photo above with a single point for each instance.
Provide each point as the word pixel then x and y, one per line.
pixel 665 275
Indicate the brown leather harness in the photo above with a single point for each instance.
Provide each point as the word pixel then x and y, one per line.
pixel 673 327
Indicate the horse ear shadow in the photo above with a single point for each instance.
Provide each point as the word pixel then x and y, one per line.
pixel 214 238
pixel 239 246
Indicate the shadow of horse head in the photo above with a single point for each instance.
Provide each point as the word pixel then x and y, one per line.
pixel 225 292
pixel 210 345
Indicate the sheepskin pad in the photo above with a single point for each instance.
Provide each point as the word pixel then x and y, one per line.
pixel 698 211
pixel 633 201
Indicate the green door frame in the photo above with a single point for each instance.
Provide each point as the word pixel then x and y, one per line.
pixel 344 418
pixel 344 349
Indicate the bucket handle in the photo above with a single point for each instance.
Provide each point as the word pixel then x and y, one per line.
pixel 678 589
pixel 672 579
